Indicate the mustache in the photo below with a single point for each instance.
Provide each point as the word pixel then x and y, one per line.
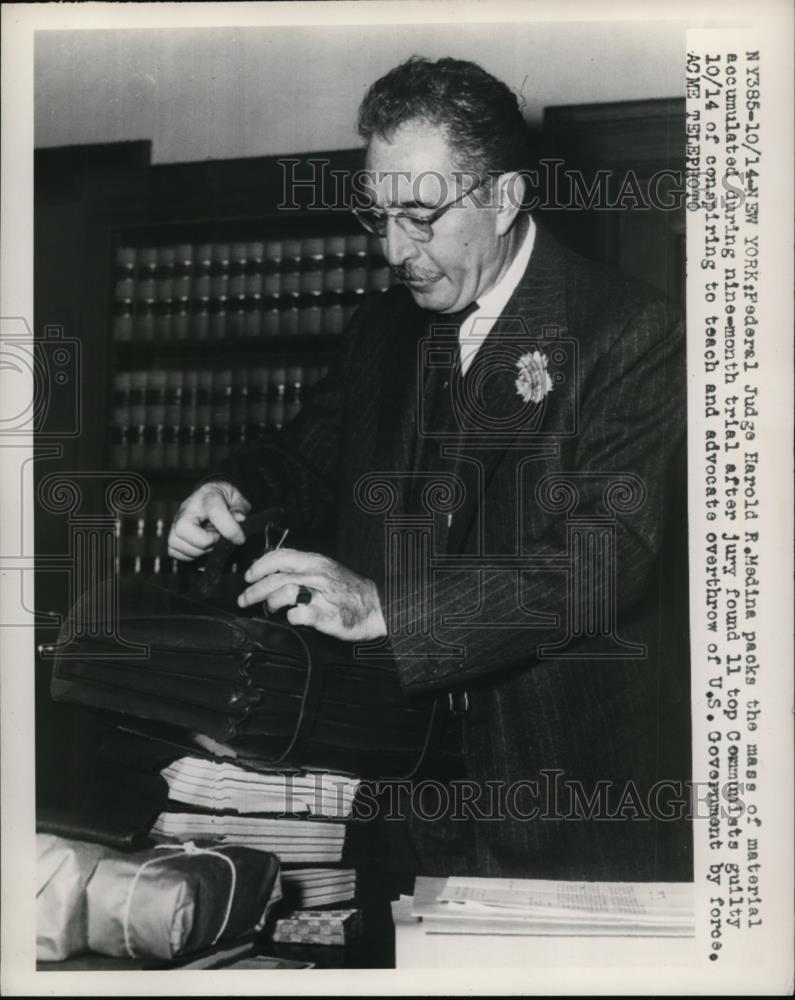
pixel 415 276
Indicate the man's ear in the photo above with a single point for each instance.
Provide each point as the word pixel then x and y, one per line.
pixel 509 192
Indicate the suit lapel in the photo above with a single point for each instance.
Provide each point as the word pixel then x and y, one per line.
pixel 496 416
pixel 396 435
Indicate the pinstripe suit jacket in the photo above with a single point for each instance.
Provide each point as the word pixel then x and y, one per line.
pixel 556 703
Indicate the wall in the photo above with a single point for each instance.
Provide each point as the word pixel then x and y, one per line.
pixel 215 93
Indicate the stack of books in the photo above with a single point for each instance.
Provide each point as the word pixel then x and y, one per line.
pixel 308 888
pixel 302 817
pixel 223 786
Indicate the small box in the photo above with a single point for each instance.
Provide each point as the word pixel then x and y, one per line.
pixel 318 927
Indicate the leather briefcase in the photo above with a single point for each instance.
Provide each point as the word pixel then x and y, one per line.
pixel 288 694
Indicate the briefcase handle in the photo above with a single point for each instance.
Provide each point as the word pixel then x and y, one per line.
pixel 274 520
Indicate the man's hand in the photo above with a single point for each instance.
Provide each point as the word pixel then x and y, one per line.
pixel 338 601
pixel 212 511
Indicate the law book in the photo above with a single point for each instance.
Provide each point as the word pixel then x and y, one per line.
pixel 277 391
pixel 121 420
pixel 333 318
pixel 271 317
pixel 238 403
pixel 172 398
pixel 133 544
pixel 204 397
pixel 186 435
pixel 289 316
pixel 123 309
pixel 139 381
pixel 257 414
pixel 180 318
pixel 252 305
pixel 202 447
pixel 144 315
pixel 293 392
pixel 159 523
pixel 136 439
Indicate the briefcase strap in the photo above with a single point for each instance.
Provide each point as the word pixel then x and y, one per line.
pixel 310 704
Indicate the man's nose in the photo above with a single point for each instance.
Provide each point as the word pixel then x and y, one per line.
pixel 398 247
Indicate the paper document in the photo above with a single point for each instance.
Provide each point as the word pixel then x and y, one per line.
pixel 535 906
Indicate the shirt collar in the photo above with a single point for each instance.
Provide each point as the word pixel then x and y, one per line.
pixel 478 325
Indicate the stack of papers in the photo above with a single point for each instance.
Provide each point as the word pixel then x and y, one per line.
pixel 542 907
pixel 218 786
pixel 308 887
pixel 298 841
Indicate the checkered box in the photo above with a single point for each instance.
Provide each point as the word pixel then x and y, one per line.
pixel 318 927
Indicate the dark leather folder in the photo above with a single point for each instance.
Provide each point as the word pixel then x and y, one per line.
pixel 284 693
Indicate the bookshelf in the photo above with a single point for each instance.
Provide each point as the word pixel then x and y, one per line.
pixel 218 329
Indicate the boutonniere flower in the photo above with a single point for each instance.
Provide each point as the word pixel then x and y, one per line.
pixel 533 382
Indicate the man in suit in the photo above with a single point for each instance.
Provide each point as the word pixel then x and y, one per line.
pixel 501 446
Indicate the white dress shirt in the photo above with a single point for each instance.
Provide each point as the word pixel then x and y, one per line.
pixel 478 325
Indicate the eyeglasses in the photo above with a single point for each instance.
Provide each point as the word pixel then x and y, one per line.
pixel 418 228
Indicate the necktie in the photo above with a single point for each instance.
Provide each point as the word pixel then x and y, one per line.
pixel 450 324
pixel 439 387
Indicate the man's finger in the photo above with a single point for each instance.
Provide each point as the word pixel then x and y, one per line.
pixel 221 517
pixel 285 561
pixel 304 614
pixel 179 555
pixel 184 552
pixel 263 589
pixel 187 533
pixel 179 547
pixel 270 583
pixel 283 597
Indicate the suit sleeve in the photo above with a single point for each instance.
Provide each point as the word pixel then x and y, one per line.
pixel 632 421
